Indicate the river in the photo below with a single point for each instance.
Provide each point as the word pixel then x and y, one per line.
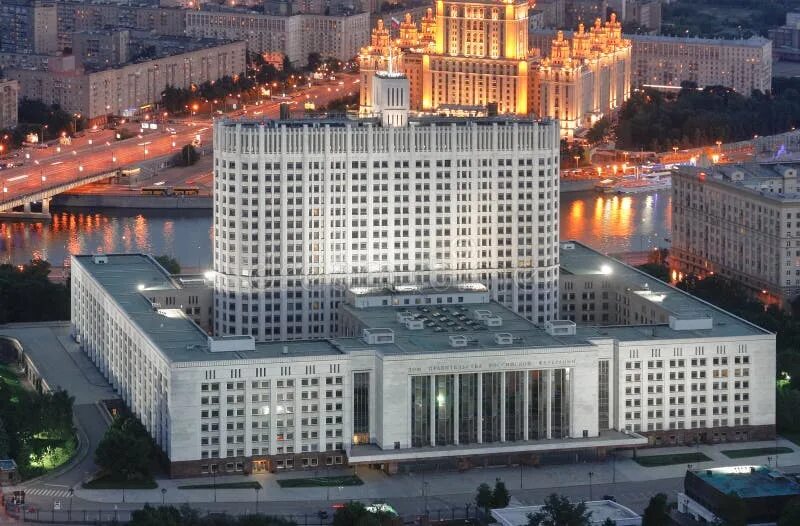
pixel 610 223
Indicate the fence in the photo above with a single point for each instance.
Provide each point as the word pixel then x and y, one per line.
pixel 111 517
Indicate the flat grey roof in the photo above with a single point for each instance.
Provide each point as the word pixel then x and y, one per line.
pixel 443 321
pixel 749 481
pixel 181 340
pixel 583 260
pixel 601 510
pixel 178 337
pixel 753 176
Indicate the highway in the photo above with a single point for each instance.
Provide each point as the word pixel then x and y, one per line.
pixel 100 152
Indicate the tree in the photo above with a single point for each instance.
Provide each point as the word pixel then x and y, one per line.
pixel 559 511
pixel 169 263
pixel 5 442
pixel 188 155
pixel 314 60
pixel 484 498
pixel 124 452
pixel 160 516
pixel 28 295
pixel 500 495
pixel 355 513
pixel 790 516
pixel 660 272
pixel 597 132
pixel 656 512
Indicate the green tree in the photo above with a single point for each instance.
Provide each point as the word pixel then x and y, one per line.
pixel 484 498
pixel 355 514
pixel 124 452
pixel 188 155
pixel 597 132
pixel 790 516
pixel 5 442
pixel 314 61
pixel 169 263
pixel 559 511
pixel 656 513
pixel 160 516
pixel 28 295
pixel 500 495
pixel 657 271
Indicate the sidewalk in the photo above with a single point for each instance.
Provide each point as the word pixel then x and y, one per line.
pixel 379 486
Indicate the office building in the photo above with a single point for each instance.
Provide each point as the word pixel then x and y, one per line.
pixel 764 493
pixel 306 208
pixel 422 375
pixel 130 88
pixel 739 221
pixel 29 26
pixel 786 38
pixel 9 103
pixel 664 62
pixel 467 57
pixel 338 36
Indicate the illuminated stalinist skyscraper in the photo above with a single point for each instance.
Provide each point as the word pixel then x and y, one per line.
pixel 470 57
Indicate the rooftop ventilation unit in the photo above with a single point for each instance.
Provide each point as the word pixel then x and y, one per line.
pixel 480 314
pixel 378 336
pixel 231 343
pixel 493 321
pixel 458 341
pixel 414 325
pixel 560 328
pixel 100 260
pixel 503 338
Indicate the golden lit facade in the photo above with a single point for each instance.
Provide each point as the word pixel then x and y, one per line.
pixel 468 54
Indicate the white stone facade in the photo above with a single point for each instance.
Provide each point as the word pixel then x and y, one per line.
pixel 418 375
pixel 301 206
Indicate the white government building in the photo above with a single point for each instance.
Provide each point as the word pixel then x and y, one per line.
pixel 419 375
pixel 386 292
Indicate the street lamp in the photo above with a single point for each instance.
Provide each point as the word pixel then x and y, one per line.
pixel 70 493
pixel 258 489
pixel 577 158
pixel 591 474
pixel 163 495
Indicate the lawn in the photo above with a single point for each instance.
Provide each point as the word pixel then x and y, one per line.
pixel 320 482
pixel 756 452
pixel 108 482
pixel 652 461
pixel 10 378
pixel 225 485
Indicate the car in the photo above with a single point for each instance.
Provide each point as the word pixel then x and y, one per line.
pixel 322 514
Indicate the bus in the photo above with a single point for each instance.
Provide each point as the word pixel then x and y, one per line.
pixel 186 190
pixel 156 190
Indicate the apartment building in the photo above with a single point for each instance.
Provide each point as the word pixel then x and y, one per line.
pixel 9 103
pixel 739 221
pixel 126 89
pixel 296 36
pixel 466 56
pixel 28 26
pixel 664 62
